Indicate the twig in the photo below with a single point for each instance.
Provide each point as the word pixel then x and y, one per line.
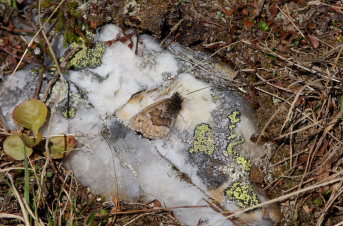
pixel 9 215
pixel 172 30
pixel 135 218
pixel 158 209
pixel 334 195
pixel 15 30
pixel 291 20
pixel 29 45
pixel 20 201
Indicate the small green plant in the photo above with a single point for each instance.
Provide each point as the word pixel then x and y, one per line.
pixel 32 115
pixel 263 25
pixel 12 3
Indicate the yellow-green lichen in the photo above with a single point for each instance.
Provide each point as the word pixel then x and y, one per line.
pixel 234 119
pixel 244 162
pixel 88 57
pixel 242 194
pixel 230 147
pixel 232 136
pixel 204 140
pixel 69 113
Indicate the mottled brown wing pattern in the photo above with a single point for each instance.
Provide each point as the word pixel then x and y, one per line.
pixel 156 120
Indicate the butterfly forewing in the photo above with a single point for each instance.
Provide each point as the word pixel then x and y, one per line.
pixel 156 120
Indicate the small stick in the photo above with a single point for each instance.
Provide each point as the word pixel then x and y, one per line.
pixel 291 20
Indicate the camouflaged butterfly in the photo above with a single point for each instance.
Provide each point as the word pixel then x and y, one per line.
pixel 156 120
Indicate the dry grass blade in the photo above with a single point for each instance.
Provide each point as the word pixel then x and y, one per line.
pixel 20 201
pixel 29 45
pixel 9 215
pixel 291 20
pixel 334 195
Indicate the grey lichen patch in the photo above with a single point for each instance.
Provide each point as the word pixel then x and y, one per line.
pixel 204 140
pixel 58 93
pixel 242 194
pixel 88 57
pixel 67 98
pixel 215 98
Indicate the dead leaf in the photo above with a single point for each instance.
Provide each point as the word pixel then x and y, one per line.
pixel 311 26
pixel 314 41
pixel 307 209
pixel 227 12
pixel 283 49
pixel 249 24
pixel 245 12
pixel 273 10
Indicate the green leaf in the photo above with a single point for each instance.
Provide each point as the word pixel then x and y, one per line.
pixel 103 212
pixel 91 219
pixel 31 114
pixel 61 146
pixel 30 142
pixel 14 147
pixel 318 201
pixel 263 25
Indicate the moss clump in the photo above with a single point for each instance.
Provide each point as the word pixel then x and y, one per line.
pixel 204 140
pixel 88 57
pixel 242 194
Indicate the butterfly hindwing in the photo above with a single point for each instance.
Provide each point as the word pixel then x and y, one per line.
pixel 156 120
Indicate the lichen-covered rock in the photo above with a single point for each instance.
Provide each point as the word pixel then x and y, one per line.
pixel 208 142
pixel 88 57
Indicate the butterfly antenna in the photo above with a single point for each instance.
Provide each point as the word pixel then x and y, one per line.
pixel 197 90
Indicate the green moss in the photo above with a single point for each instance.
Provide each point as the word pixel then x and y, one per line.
pixel 204 140
pixel 88 57
pixel 72 8
pixel 242 194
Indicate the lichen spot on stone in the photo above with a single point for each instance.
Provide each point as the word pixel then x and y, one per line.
pixel 242 194
pixel 230 149
pixel 234 119
pixel 203 140
pixel 69 114
pixel 88 57
pixel 244 162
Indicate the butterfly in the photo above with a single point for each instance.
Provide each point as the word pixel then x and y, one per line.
pixel 156 120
